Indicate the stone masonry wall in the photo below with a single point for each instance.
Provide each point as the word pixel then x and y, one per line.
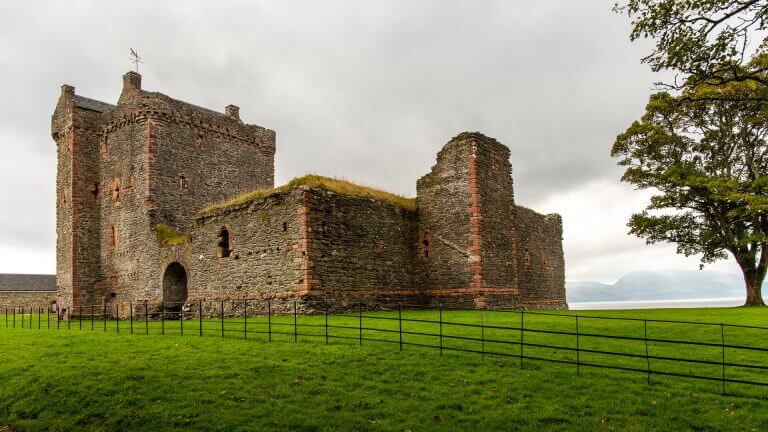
pixel 76 130
pixel 443 197
pixel 26 299
pixel 128 244
pixel 540 259
pixel 361 248
pixel 265 258
pixel 201 157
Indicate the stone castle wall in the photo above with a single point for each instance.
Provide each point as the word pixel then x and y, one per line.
pixel 541 265
pixel 443 197
pixel 361 248
pixel 264 257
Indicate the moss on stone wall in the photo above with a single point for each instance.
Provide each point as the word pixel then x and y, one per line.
pixel 339 186
pixel 167 236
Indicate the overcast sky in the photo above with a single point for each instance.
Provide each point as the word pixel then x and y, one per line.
pixel 365 90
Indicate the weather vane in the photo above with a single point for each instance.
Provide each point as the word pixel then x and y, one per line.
pixel 135 59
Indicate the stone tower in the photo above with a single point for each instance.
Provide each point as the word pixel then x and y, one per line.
pixel 471 231
pixel 124 169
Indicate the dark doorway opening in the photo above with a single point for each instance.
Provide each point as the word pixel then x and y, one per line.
pixel 174 289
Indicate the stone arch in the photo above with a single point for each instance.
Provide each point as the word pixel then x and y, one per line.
pixel 174 286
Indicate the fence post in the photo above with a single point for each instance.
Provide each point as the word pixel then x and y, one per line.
pixel 360 315
pixel 181 318
pixel 48 317
pixel 400 323
pixel 269 318
pixel 222 318
pixel 326 321
pixel 162 317
pixel 6 317
pixel 441 329
pixel 130 307
pixel 146 317
pixel 104 313
pixel 722 344
pixel 200 316
pixel 80 309
pixel 117 317
pixel 69 319
pixel 22 317
pixel 482 331
pixel 245 319
pixel 58 317
pixel 578 350
pixel 522 336
pixel 39 317
pixel 92 308
pixel 295 336
pixel 647 359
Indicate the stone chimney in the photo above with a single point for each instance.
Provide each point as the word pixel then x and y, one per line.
pixel 67 90
pixel 132 81
pixel 232 111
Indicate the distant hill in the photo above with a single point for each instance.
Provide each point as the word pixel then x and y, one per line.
pixel 666 285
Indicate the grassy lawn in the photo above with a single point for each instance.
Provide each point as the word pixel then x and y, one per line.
pixel 95 380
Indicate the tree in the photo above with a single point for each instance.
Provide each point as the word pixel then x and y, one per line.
pixel 708 161
pixel 709 42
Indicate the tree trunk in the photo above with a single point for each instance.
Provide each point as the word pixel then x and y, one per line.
pixel 754 284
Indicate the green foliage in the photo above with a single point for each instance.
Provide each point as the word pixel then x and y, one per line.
pixel 94 380
pixel 708 159
pixel 707 41
pixel 335 185
pixel 167 236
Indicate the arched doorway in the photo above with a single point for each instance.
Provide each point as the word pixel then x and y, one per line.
pixel 174 287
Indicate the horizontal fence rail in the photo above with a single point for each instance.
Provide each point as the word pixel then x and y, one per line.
pixel 536 336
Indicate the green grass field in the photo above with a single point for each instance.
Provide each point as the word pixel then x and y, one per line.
pixel 72 379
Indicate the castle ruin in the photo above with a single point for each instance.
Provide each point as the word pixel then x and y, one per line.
pixel 137 218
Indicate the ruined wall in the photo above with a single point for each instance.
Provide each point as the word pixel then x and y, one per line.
pixel 361 248
pixel 540 259
pixel 265 251
pixel 443 197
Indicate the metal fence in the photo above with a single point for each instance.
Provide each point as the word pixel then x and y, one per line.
pixel 728 355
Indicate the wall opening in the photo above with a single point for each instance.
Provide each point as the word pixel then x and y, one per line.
pixel 224 243
pixel 116 190
pixel 174 288
pixel 112 238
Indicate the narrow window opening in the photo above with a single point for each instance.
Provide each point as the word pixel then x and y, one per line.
pixel 95 190
pixel 224 243
pixel 116 190
pixel 183 182
pixel 425 244
pixel 112 239
pixel 285 226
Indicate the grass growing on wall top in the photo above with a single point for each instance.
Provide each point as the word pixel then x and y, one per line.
pixel 167 236
pixel 335 185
